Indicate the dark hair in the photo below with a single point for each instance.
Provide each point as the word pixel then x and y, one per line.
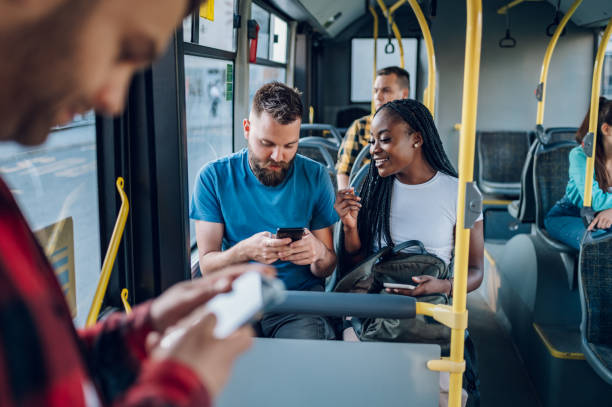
pixel 403 77
pixel 373 220
pixel 280 101
pixel 605 115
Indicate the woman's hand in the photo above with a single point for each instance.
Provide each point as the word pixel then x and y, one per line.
pixel 426 285
pixel 347 206
pixel 603 220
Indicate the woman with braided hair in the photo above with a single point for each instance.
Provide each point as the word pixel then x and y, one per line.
pixel 410 193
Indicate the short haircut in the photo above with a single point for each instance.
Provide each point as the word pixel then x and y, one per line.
pixel 403 77
pixel 280 101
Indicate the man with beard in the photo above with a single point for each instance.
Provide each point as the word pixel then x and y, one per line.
pixel 60 58
pixel 239 202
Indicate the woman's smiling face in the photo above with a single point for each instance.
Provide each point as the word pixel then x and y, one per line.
pixel 394 145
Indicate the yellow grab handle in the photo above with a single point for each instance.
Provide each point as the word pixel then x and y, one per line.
pixel 124 300
pixel 595 91
pixel 429 99
pixel 541 91
pixel 311 115
pixel 111 254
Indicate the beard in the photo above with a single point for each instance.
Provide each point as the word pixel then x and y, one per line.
pixel 269 178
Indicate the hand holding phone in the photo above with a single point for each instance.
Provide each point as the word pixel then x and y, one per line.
pixel 293 233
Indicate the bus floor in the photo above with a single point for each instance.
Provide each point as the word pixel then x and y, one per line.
pixel 503 378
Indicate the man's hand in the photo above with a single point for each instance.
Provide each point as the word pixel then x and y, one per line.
pixel 210 358
pixel 303 252
pixel 263 247
pixel 426 285
pixel 347 206
pixel 603 220
pixel 181 299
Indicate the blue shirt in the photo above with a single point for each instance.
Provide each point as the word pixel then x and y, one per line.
pixel 226 191
pixel 575 187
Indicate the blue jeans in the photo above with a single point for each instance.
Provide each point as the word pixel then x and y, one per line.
pixel 563 223
pixel 294 326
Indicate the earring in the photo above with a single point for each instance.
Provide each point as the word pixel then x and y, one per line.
pixel 416 145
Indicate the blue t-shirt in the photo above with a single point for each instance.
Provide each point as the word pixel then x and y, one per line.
pixel 226 191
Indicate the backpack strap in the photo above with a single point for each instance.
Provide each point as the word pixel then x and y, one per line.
pixel 409 243
pixel 362 271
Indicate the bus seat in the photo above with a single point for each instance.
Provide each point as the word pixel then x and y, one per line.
pixel 307 130
pixel 523 209
pixel 322 151
pixel 363 155
pixel 595 281
pixel 556 134
pixel 346 117
pixel 306 373
pixel 550 176
pixel 501 155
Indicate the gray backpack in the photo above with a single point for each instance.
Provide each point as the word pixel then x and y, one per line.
pixel 389 265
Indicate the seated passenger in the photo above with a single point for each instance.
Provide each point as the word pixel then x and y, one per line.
pixel 563 221
pixel 239 202
pixel 410 193
pixel 392 83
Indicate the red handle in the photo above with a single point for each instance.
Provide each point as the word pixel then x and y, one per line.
pixel 253 49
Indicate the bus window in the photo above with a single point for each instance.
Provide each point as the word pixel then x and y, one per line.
pixel 263 19
pixel 187 23
pixel 55 181
pixel 259 75
pixel 278 41
pixel 209 111
pixel 606 78
pixel 219 33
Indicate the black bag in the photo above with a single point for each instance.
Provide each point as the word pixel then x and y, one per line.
pixel 389 265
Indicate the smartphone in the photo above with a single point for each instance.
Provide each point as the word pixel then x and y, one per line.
pixel 404 286
pixel 293 233
pixel 251 294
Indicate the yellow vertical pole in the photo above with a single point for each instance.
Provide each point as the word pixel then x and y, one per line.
pixel 541 92
pixel 466 175
pixel 429 99
pixel 593 130
pixel 375 29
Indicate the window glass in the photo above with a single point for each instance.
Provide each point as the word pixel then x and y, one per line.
pixel 208 101
pixel 263 41
pixel 187 28
pixel 606 78
pixel 362 53
pixel 219 33
pixel 259 75
pixel 278 40
pixel 59 180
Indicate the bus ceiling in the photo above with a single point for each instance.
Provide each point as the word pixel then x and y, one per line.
pixel 591 13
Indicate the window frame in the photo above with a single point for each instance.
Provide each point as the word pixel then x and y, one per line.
pixel 287 20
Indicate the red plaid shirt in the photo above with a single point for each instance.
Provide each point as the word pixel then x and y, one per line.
pixel 45 362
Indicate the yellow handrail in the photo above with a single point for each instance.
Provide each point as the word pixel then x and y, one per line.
pixel 595 91
pixel 375 29
pixel 546 63
pixel 124 300
pixel 394 28
pixel 111 254
pixel 429 98
pixel 466 175
pixel 504 9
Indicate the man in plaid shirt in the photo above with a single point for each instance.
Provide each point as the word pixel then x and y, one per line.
pixel 60 58
pixel 391 83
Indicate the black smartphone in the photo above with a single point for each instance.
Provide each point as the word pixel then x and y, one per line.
pixel 293 233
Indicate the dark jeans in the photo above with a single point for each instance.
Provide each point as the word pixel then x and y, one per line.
pixel 563 223
pixel 294 326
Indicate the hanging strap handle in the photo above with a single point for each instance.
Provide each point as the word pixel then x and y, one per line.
pixel 508 41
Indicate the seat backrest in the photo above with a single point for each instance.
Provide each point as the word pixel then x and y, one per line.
pixel 526 203
pixel 550 176
pixel 364 155
pixel 557 134
pixel 346 117
pixel 322 151
pixel 501 155
pixel 595 273
pixel 326 131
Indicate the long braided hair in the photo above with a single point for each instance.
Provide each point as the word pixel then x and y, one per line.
pixel 373 221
